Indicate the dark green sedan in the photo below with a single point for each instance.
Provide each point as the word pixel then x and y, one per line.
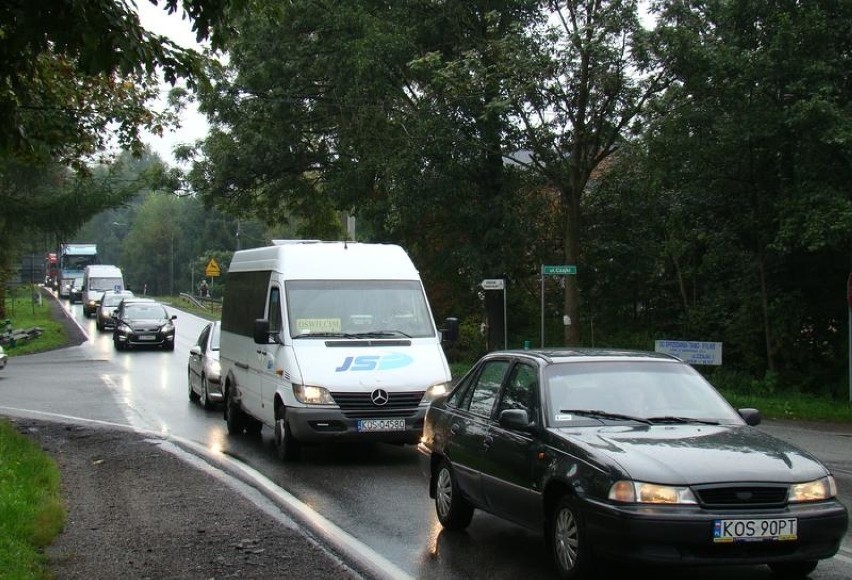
pixel 625 455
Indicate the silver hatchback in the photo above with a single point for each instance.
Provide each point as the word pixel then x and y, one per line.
pixel 203 368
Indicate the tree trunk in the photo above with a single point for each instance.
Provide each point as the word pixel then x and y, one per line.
pixel 764 303
pixel 571 302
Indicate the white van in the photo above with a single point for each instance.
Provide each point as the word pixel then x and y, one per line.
pixel 329 341
pixel 96 280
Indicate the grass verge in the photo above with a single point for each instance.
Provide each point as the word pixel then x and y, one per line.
pixel 23 313
pixel 31 509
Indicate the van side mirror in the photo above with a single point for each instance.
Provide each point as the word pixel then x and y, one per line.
pixel 262 334
pixel 450 332
pixel 261 331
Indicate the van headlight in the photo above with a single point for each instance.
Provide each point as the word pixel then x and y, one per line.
pixel 436 391
pixel 310 395
pixel 817 490
pixel 627 491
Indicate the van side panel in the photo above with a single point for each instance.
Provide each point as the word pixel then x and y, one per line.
pixel 244 302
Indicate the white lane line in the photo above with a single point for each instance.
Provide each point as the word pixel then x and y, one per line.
pixel 368 560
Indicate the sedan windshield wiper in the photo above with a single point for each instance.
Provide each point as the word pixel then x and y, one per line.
pixel 671 419
pixel 598 414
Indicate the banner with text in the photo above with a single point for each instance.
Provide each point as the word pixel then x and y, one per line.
pixel 691 351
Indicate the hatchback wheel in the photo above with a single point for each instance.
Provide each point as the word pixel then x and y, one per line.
pixel 205 395
pixel 193 396
pixel 454 511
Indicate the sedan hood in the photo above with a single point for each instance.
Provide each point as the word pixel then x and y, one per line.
pixel 695 454
pixel 152 324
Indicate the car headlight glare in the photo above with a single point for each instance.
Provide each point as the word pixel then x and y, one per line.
pixel 436 391
pixel 627 491
pixel 312 395
pixel 817 490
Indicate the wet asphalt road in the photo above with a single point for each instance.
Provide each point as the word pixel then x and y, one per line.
pixel 376 494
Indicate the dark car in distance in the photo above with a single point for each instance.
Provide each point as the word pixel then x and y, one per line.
pixel 629 456
pixel 143 323
pixel 109 302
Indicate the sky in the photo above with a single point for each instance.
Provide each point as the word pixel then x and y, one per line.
pixel 193 124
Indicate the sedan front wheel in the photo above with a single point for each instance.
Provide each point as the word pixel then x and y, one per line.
pixel 454 511
pixel 566 535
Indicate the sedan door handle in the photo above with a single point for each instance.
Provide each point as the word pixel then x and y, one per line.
pixel 487 441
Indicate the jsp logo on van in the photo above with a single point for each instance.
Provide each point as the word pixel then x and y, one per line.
pixel 385 362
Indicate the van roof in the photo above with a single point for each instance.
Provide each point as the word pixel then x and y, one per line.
pixel 103 269
pixel 315 260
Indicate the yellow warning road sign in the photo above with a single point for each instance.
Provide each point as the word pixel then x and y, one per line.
pixel 212 268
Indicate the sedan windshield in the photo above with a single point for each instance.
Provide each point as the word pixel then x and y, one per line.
pixel 358 309
pixel 642 391
pixel 145 312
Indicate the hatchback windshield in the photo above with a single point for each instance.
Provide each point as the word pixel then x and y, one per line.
pixel 659 391
pixel 358 307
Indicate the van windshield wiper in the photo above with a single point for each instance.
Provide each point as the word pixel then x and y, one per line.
pixel 671 419
pixel 380 333
pixel 598 414
pixel 325 335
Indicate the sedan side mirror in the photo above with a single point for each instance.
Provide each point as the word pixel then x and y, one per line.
pixel 515 419
pixel 752 416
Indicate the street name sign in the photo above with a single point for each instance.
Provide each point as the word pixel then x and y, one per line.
pixel 559 270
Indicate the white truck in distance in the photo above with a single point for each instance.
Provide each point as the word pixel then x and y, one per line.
pixel 329 341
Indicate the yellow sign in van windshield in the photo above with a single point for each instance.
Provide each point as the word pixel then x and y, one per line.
pixel 307 325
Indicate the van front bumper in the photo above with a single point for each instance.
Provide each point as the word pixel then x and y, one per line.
pixel 329 425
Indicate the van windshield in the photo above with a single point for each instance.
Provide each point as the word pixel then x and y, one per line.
pixel 105 284
pixel 356 308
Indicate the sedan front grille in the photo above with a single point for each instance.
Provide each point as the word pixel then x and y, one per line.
pixel 744 496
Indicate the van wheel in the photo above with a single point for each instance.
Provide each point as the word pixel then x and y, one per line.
pixel 288 448
pixel 234 415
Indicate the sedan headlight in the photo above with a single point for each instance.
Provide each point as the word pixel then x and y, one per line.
pixel 436 391
pixel 123 328
pixel 167 327
pixel 628 491
pixel 312 395
pixel 817 490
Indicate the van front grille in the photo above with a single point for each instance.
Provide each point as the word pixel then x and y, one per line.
pixel 361 405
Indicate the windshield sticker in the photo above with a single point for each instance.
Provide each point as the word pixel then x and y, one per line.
pixel 309 325
pixel 561 417
pixel 385 362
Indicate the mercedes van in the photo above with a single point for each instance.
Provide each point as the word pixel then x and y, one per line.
pixel 329 341
pixel 96 280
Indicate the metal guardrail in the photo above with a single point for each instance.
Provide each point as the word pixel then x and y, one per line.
pixel 203 302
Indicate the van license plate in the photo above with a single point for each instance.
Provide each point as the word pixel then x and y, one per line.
pixel 779 529
pixel 365 425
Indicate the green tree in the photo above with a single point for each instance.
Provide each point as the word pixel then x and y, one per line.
pixel 755 157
